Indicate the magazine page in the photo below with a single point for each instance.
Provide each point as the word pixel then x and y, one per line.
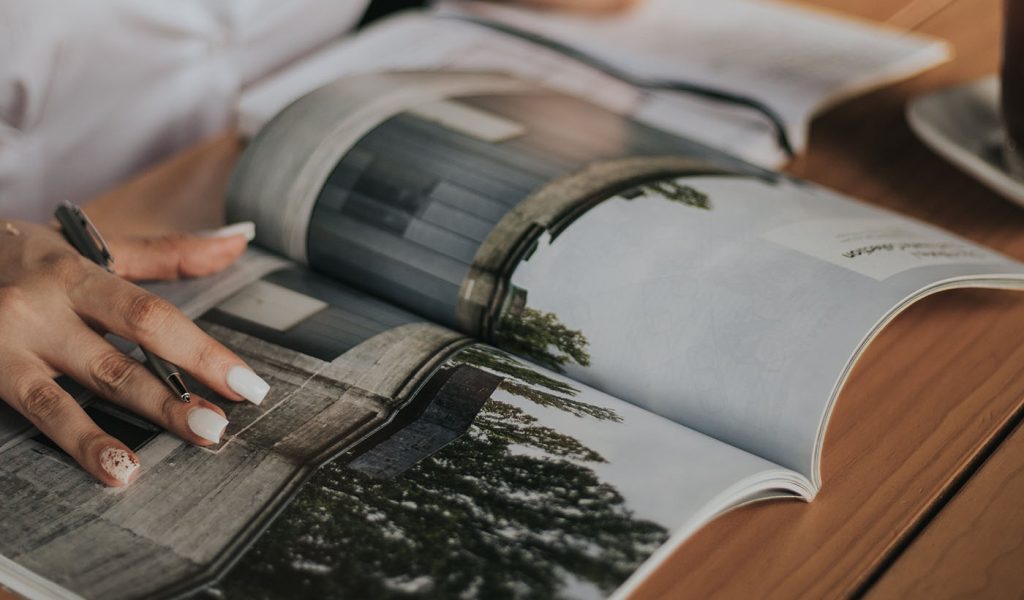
pixel 391 457
pixel 722 297
pixel 731 304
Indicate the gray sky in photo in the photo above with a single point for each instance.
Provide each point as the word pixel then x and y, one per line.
pixel 666 472
pixel 698 317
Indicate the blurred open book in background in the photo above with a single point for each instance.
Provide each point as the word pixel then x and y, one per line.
pixel 796 61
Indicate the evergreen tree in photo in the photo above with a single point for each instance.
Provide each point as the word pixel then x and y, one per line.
pixel 670 190
pixel 526 382
pixel 508 510
pixel 542 338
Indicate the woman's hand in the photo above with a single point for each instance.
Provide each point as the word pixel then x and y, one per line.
pixel 54 306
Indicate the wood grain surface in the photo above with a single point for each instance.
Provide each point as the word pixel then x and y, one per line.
pixel 907 468
pixel 975 547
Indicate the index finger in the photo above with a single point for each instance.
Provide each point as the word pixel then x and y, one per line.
pixel 137 315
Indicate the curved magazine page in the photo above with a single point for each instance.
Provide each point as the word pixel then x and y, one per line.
pixel 289 162
pixel 553 490
pixel 402 202
pixel 390 458
pixel 732 305
pixel 1007 281
pixel 717 295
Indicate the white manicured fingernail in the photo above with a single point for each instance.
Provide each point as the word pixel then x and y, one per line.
pixel 207 424
pixel 246 228
pixel 119 464
pixel 247 384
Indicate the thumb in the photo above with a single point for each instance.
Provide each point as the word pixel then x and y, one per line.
pixel 177 255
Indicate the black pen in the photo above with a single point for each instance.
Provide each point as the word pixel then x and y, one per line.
pixel 83 235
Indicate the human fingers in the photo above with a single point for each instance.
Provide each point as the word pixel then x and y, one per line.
pixel 95 363
pixel 178 255
pixel 35 394
pixel 157 325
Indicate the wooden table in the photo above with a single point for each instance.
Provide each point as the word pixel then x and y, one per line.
pixel 924 460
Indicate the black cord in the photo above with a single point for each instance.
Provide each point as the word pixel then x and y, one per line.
pixel 379 9
pixel 648 84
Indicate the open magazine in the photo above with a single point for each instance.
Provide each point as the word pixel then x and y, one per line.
pixel 518 346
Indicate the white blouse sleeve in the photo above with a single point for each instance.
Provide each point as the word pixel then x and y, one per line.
pixel 268 34
pixel 92 92
pixel 28 45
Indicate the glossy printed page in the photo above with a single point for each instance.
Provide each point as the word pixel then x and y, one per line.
pixel 339 364
pixel 412 209
pixel 500 480
pixel 723 297
pixel 730 304
pixel 411 464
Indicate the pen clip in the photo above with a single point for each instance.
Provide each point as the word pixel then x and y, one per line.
pixel 92 232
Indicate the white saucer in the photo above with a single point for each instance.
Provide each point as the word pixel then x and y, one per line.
pixel 962 124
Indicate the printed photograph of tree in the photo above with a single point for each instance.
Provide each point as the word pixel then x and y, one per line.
pixel 539 336
pixel 511 509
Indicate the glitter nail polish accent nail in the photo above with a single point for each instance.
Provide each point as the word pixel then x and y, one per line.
pixel 118 463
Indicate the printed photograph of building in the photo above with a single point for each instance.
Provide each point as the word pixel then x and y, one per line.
pixel 437 194
pixel 406 463
pixel 339 364
pixel 547 488
pixel 505 503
